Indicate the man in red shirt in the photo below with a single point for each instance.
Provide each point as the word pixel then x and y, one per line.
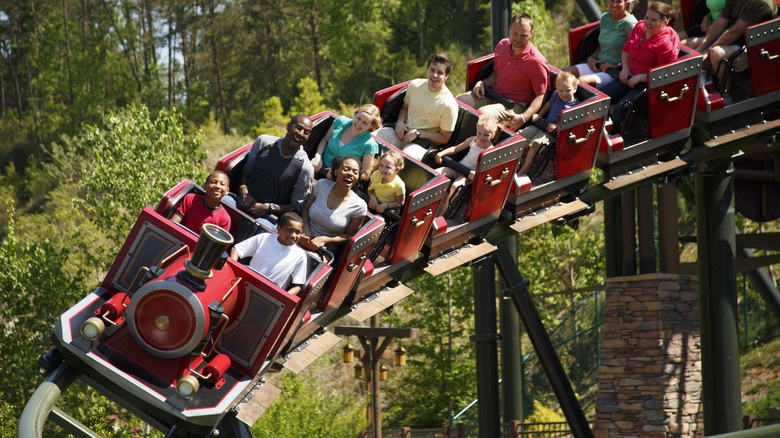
pixel 519 73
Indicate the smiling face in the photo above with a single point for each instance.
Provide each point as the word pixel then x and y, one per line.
pixel 298 131
pixel 437 74
pixel 216 187
pixel 348 173
pixel 387 169
pixel 617 8
pixel 361 122
pixel 654 22
pixel 290 232
pixel 520 34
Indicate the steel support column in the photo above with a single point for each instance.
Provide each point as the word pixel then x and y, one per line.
pixel 511 350
pixel 613 233
pixel 500 11
pixel 628 201
pixel 543 346
pixel 721 397
pixel 590 9
pixel 763 283
pixel 646 229
pixel 486 350
pixel 668 232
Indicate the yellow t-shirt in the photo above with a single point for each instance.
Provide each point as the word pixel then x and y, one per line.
pixel 386 192
pixel 430 111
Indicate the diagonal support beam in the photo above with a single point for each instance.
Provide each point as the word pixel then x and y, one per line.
pixel 507 267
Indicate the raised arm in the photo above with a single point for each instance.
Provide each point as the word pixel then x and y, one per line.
pixel 316 161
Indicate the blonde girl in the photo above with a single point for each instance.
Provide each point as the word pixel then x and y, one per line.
pixel 386 190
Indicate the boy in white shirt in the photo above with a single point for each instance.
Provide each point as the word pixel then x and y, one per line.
pixel 277 257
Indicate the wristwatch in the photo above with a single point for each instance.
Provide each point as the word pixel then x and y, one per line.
pixel 418 133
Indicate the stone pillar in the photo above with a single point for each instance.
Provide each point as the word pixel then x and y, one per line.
pixel 650 374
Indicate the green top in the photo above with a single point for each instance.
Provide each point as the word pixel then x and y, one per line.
pixel 715 6
pixel 613 36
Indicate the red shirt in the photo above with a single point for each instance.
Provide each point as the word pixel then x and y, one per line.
pixel 645 54
pixel 196 213
pixel 520 77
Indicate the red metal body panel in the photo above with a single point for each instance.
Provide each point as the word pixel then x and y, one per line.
pixel 347 271
pixel 381 96
pixel 763 51
pixel 686 10
pixel 671 105
pixel 473 68
pixel 416 222
pixel 144 254
pixel 572 157
pixel 491 185
pixel 575 39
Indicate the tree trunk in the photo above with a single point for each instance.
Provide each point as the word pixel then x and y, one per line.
pixel 315 42
pixel 272 51
pixel 15 77
pixel 67 50
pixel 185 54
pixel 150 32
pixel 84 26
pixel 23 54
pixel 131 59
pixel 170 57
pixel 215 71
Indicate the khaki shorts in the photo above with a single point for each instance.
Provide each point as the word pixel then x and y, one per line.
pixel 501 113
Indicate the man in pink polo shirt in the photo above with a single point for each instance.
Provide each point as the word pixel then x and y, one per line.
pixel 519 73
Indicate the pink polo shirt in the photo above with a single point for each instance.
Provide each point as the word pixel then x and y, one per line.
pixel 645 54
pixel 520 77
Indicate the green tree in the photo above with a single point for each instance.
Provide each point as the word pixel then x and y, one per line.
pixel 309 99
pixel 35 288
pixel 306 409
pixel 273 121
pixel 439 377
pixel 132 161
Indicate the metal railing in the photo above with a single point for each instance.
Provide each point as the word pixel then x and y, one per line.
pixel 514 429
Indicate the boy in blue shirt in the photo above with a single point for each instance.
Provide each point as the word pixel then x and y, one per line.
pixel 543 128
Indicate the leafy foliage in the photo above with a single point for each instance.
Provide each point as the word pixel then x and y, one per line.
pixel 307 410
pixel 132 162
pixel 35 287
pixel 439 377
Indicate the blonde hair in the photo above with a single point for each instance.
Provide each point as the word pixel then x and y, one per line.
pixel 394 156
pixel 566 78
pixel 488 121
pixel 373 112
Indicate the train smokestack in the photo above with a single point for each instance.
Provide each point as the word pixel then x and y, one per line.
pixel 212 243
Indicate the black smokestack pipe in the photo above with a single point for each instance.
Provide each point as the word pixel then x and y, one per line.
pixel 212 243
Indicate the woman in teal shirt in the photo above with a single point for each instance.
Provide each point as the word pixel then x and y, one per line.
pixel 614 28
pixel 350 137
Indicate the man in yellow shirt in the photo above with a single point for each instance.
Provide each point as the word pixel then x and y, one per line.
pixel 429 111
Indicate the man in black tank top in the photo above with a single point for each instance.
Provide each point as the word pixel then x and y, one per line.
pixel 277 174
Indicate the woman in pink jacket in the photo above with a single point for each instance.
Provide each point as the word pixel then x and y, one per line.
pixel 652 43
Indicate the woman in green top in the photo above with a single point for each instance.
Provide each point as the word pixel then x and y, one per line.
pixel 350 137
pixel 614 28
